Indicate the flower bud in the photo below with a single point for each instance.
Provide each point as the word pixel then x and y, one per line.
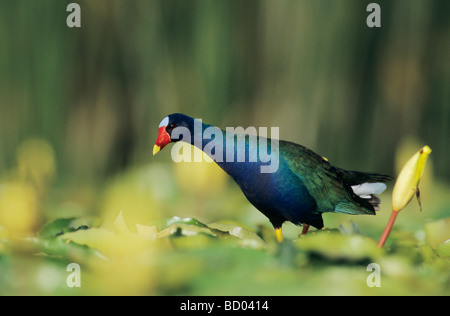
pixel 407 183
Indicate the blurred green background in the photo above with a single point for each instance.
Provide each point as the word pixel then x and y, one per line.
pixel 79 107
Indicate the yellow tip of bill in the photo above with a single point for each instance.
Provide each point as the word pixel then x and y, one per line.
pixel 156 149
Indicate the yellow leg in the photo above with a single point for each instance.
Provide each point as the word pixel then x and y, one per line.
pixel 279 234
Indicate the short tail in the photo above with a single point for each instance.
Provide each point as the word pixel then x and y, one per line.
pixel 357 177
pixel 366 185
pixel 368 191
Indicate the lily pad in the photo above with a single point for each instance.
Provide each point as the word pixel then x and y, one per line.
pixel 187 221
pixel 437 232
pixel 180 229
pixel 443 250
pixel 334 246
pixel 58 226
pixel 248 238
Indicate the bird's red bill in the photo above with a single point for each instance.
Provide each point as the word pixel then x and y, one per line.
pixel 162 140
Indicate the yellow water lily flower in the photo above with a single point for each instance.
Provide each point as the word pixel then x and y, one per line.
pixel 126 263
pixel 36 162
pixel 407 183
pixel 19 209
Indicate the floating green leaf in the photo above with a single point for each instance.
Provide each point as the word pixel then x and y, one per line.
pixel 437 232
pixel 334 246
pixel 443 250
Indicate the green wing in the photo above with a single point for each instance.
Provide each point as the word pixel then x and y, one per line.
pixel 324 182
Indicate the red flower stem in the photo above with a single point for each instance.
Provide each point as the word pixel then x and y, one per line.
pixel 387 230
pixel 305 229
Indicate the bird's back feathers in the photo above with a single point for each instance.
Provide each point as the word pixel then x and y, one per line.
pixel 332 187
